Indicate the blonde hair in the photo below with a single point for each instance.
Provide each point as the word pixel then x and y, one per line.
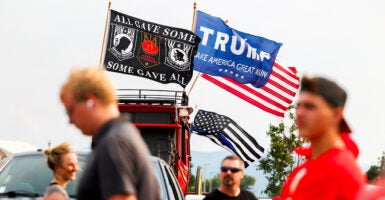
pixel 89 81
pixel 54 155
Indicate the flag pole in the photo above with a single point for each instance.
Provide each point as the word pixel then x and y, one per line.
pixel 193 29
pixel 194 14
pixel 104 35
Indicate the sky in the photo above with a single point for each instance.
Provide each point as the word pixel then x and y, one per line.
pixel 42 40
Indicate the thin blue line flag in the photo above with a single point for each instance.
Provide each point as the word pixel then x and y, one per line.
pixel 224 132
pixel 224 51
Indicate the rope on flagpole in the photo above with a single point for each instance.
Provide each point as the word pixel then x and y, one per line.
pixel 104 35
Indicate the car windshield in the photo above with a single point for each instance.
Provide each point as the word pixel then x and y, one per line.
pixel 30 174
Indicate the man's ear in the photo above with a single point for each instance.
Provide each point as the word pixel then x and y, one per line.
pixel 338 115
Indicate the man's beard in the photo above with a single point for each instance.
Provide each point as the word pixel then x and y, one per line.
pixel 228 181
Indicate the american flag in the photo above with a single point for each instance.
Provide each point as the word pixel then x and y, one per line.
pixel 226 133
pixel 274 97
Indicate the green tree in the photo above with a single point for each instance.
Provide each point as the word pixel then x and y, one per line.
pixel 280 160
pixel 377 170
pixel 382 164
pixel 211 184
pixel 373 172
pixel 191 186
pixel 247 182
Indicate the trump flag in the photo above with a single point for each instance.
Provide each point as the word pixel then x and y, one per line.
pixel 224 51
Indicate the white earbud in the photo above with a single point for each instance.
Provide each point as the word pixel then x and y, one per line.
pixel 89 104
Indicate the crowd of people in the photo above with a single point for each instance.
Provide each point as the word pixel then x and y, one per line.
pixel 119 166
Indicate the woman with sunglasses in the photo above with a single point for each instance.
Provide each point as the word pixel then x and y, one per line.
pixel 232 172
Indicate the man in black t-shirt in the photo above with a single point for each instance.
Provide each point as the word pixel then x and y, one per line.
pixel 232 172
pixel 119 168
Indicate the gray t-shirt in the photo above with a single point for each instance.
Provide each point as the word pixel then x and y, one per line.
pixel 56 188
pixel 120 164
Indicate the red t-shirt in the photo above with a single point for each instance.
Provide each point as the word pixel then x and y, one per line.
pixel 333 175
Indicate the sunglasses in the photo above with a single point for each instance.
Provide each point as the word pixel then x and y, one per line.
pixel 232 169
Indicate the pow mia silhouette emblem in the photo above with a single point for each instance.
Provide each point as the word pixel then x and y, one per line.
pixel 177 55
pixel 122 42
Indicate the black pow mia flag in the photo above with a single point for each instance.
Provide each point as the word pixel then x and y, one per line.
pixel 149 50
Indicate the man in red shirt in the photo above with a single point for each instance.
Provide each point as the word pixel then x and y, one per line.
pixel 331 171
